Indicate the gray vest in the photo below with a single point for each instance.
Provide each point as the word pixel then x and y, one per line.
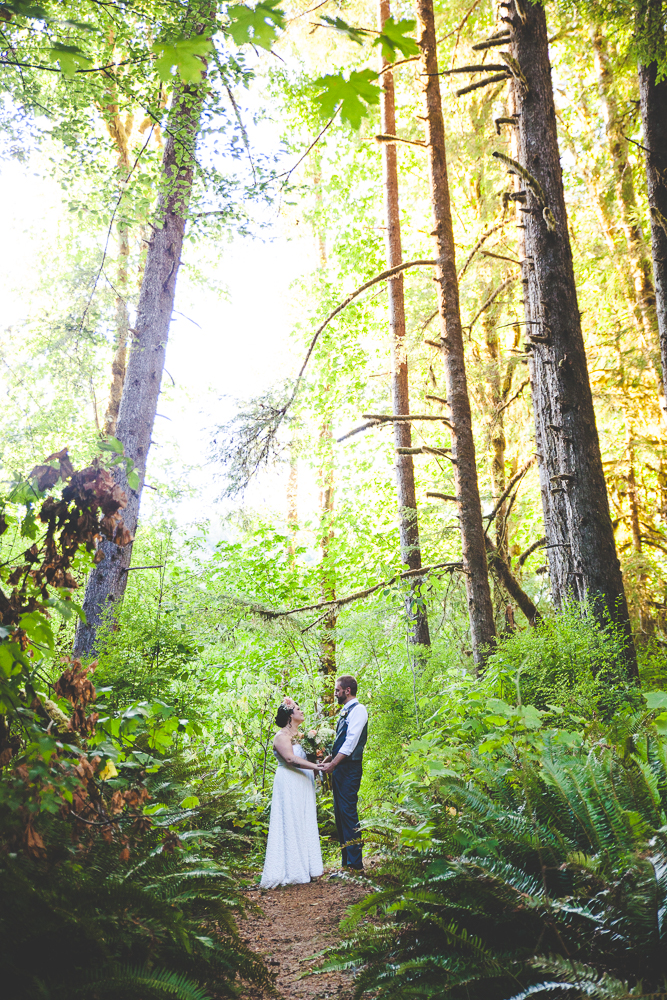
pixel 341 735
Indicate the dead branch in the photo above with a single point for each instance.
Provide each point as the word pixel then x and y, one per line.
pixel 358 430
pixel 358 595
pixel 489 302
pixel 483 238
pixel 483 83
pixel 442 496
pixel 498 565
pixel 405 417
pixel 480 68
pixel 529 551
pixel 425 450
pixel 512 483
pixel 515 396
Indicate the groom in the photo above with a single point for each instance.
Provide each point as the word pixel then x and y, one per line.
pixel 345 763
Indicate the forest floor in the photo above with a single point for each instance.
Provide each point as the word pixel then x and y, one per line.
pixel 295 923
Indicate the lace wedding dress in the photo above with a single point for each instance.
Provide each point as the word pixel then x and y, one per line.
pixel 293 852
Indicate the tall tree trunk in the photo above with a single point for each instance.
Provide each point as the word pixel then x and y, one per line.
pixel 108 580
pixel 408 520
pixel 292 501
pixel 328 571
pixel 482 626
pixel 650 34
pixel 122 329
pixel 327 483
pixel 120 131
pixel 582 551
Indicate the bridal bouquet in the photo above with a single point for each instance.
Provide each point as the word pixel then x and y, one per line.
pixel 317 741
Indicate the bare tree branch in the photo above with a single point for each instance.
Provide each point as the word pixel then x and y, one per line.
pixel 512 483
pixel 529 551
pixel 358 595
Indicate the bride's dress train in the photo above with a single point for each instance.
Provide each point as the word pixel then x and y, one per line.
pixel 293 852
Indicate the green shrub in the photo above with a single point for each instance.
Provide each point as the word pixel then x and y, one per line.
pixel 555 864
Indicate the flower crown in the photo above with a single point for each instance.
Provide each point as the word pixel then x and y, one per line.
pixel 289 702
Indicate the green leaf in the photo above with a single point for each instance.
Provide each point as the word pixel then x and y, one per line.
pixel 111 444
pixel 656 699
pixel 352 96
pixel 496 720
pixel 661 723
pixel 338 24
pixel 185 56
pixel 189 802
pixel 258 25
pixel 133 479
pixel 38 629
pixel 69 57
pixel 393 39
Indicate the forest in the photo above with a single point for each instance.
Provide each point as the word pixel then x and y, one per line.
pixel 334 342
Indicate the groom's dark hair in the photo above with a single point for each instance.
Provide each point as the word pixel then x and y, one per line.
pixel 283 716
pixel 346 681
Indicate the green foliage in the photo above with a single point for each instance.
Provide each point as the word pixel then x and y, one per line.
pixel 555 862
pixel 258 25
pixel 159 923
pixel 352 95
pixel 393 39
pixel 185 56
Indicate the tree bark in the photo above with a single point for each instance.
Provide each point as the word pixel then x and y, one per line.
pixel 122 329
pixel 108 580
pixel 500 567
pixel 408 520
pixel 582 553
pixel 480 609
pixel 328 571
pixel 650 34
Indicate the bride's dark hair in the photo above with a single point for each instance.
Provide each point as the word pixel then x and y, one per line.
pixel 283 716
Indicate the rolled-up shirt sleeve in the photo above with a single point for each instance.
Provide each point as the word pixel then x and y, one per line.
pixel 355 727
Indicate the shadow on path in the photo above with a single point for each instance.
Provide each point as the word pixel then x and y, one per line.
pixel 296 922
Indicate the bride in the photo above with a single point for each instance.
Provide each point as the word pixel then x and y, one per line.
pixel 293 852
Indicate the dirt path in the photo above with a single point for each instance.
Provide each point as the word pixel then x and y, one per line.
pixel 297 922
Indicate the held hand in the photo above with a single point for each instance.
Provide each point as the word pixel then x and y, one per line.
pixel 327 767
pixel 326 759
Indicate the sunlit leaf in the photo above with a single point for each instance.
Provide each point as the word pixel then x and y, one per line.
pixel 182 56
pixel 353 96
pixel 394 39
pixel 258 25
pixel 70 58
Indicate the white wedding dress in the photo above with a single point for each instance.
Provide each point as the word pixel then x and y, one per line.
pixel 293 852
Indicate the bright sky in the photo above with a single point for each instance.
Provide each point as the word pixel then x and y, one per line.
pixel 230 346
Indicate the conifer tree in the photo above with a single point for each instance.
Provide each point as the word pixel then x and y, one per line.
pixel 404 466
pixel 580 539
pixel 482 626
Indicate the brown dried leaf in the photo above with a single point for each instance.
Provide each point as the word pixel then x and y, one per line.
pixel 123 536
pixel 66 467
pixel 45 475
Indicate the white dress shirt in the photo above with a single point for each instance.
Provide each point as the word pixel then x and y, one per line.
pixel 355 726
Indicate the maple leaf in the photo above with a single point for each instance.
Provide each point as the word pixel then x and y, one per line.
pixel 184 55
pixel 258 25
pixel 46 476
pixel 69 57
pixel 66 467
pixel 394 39
pixel 353 96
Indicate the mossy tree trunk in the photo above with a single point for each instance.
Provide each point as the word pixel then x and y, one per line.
pixel 580 539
